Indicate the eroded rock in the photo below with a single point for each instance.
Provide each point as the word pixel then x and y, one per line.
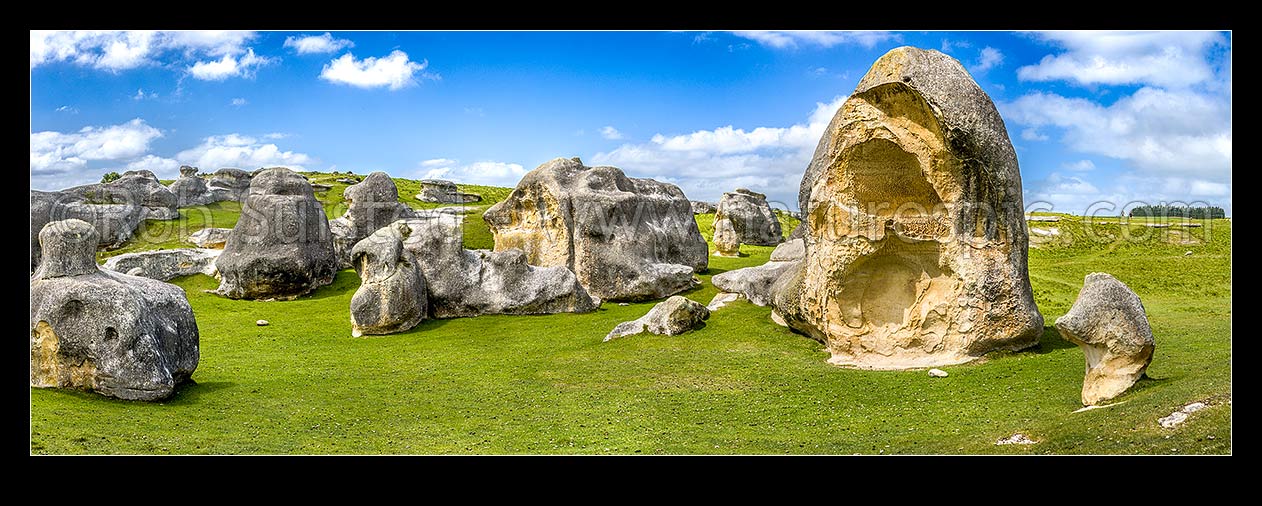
pixel 702 207
pixel 726 242
pixel 1109 324
pixel 444 192
pixel 374 203
pixel 213 238
pixel 165 264
pixel 750 217
pixel 230 183
pixel 392 296
pixel 671 317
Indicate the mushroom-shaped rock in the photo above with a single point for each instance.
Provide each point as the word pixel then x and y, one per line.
pixel 281 247
pixel 164 264
pixel 1109 324
pixel 915 237
pixel 726 241
pixel 671 317
pixel 625 238
pixel 374 203
pixel 118 335
pixel 391 297
pixel 750 216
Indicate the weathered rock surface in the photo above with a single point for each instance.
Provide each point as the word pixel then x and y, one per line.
pixel 115 223
pixel 625 238
pixel 726 242
pixel 137 188
pixel 214 238
pixel 750 216
pixel 915 252
pixel 465 282
pixel 391 297
pixel 374 203
pixel 702 207
pixel 671 317
pixel 118 335
pixel 444 192
pixel 1108 323
pixel 788 251
pixel 281 247
pixel 191 190
pixel 755 283
pixel 165 264
pixel 230 183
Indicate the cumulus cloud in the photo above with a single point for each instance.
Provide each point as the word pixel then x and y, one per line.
pixel 781 39
pixel 161 167
pixel 489 173
pixel 1079 166
pixel 141 94
pixel 228 66
pixel 243 151
pixel 988 58
pixel 60 159
pixel 1168 58
pixel 394 71
pixel 68 109
pixel 949 45
pixel 1073 194
pixel 317 44
pixel 1033 134
pixel 122 50
pixel 706 163
pixel 610 133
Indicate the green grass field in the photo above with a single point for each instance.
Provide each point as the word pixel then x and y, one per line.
pixel 741 384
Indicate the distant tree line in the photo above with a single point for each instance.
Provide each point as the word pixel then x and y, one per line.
pixel 1198 212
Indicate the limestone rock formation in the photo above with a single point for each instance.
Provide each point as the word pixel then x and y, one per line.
pixel 230 183
pixel 214 238
pixel 281 247
pixel 758 283
pixel 391 297
pixel 751 216
pixel 465 282
pixel 444 192
pixel 671 317
pixel 165 264
pixel 790 250
pixel 915 239
pixel 625 238
pixel 135 188
pixel 191 190
pixel 702 207
pixel 115 223
pixel 726 242
pixel 1109 324
pixel 374 203
pixel 118 335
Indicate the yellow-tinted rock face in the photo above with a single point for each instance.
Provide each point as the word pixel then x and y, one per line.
pixel 916 242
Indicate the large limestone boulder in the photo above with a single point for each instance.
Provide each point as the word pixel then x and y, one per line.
pixel 213 238
pixel 374 203
pixel 758 283
pixel 281 247
pixel 670 317
pixel 137 188
pixel 391 297
pixel 444 192
pixel 191 190
pixel 165 264
pixel 115 223
pixel 465 282
pixel 751 216
pixel 230 183
pixel 915 241
pixel 1109 324
pixel 727 243
pixel 625 238
pixel 118 335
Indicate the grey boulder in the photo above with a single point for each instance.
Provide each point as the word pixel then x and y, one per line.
pixel 444 192
pixel 191 190
pixel 115 223
pixel 391 297
pixel 751 216
pixel 671 317
pixel 374 203
pixel 1109 324
pixel 230 183
pixel 726 242
pixel 165 264
pixel 118 335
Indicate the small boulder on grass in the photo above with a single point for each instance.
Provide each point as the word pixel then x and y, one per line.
pixel 673 316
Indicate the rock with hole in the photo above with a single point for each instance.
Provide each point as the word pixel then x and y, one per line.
pixel 165 264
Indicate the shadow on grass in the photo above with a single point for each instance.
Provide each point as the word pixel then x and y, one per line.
pixel 345 282
pixel 190 391
pixel 1051 341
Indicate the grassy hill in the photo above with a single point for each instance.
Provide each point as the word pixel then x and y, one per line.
pixel 741 384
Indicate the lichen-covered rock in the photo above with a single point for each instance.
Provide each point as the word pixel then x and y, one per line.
pixel 750 216
pixel 391 297
pixel 281 247
pixel 1109 324
pixel 671 317
pixel 702 207
pixel 625 238
pixel 213 238
pixel 444 192
pixel 726 241
pixel 230 183
pixel 915 252
pixel 165 264
pixel 137 188
pixel 465 282
pixel 118 335
pixel 374 203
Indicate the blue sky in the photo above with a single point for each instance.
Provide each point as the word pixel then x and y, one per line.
pixel 1113 117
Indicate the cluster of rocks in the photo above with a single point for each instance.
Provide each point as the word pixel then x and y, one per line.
pixel 373 204
pixel 115 209
pixel 749 218
pixel 444 192
pixel 225 184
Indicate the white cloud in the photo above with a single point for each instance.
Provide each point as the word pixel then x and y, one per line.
pixel 317 44
pixel 68 109
pixel 141 95
pixel 60 159
pixel 438 162
pixel 611 133
pixel 948 45
pixel 121 50
pixel 707 163
pixel 245 152
pixel 228 66
pixel 483 173
pixel 275 135
pixel 1032 134
pixel 394 71
pixel 988 58
pixel 1168 59
pixel 781 39
pixel 1074 194
pixel 161 167
pixel 1079 166
pixel 210 42
pixel 238 102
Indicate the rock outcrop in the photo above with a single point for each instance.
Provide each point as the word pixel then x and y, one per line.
pixel 1109 324
pixel 702 207
pixel 726 242
pixel 230 183
pixel 915 239
pixel 750 216
pixel 391 297
pixel 444 192
pixel 115 223
pixel 758 283
pixel 165 264
pixel 213 238
pixel 625 238
pixel 465 282
pixel 191 190
pixel 671 317
pixel 281 247
pixel 374 203
pixel 118 335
